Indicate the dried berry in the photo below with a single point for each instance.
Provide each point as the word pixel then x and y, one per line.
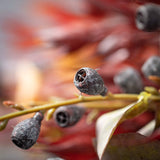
pixel 25 133
pixel 129 81
pixel 152 66
pixel 148 17
pixel 88 81
pixel 66 116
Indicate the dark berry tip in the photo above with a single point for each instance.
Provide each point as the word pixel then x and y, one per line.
pixel 38 116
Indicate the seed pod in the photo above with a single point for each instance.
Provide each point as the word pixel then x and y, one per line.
pixel 25 133
pixel 148 17
pixel 152 66
pixel 129 81
pixel 66 116
pixel 88 81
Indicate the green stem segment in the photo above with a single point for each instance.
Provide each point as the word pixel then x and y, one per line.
pixel 80 99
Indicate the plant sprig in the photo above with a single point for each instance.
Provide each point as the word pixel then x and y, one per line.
pixel 79 99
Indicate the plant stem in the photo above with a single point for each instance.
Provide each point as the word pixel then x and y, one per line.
pixel 80 99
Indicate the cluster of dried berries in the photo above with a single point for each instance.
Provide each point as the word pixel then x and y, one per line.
pixel 25 133
pixel 95 39
pixel 129 80
pixel 87 80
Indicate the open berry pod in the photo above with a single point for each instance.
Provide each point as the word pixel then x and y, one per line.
pixel 66 116
pixel 88 81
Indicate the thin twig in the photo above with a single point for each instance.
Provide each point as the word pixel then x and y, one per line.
pixel 80 99
pixel 70 102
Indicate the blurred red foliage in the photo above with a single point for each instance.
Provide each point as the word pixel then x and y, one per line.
pixel 104 36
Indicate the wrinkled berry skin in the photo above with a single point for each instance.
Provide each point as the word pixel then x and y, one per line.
pixel 148 17
pixel 25 133
pixel 88 81
pixel 66 116
pixel 152 66
pixel 129 81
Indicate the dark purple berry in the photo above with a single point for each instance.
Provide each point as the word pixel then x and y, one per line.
pixel 129 81
pixel 88 81
pixel 148 17
pixel 152 66
pixel 25 133
pixel 66 116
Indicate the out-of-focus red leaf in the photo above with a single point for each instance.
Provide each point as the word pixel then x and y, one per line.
pixel 22 36
pixel 57 12
pixel 74 147
pixel 122 7
pixel 71 143
pixel 134 124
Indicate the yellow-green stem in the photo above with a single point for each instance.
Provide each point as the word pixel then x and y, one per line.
pixel 70 102
pixel 80 99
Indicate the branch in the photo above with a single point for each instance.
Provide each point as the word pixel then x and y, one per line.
pixel 80 99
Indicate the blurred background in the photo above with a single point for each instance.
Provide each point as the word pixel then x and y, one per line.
pixel 43 44
pixel 9 59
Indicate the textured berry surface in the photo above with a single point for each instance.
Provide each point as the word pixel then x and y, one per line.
pixel 152 66
pixel 25 133
pixel 88 81
pixel 66 116
pixel 147 17
pixel 129 81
